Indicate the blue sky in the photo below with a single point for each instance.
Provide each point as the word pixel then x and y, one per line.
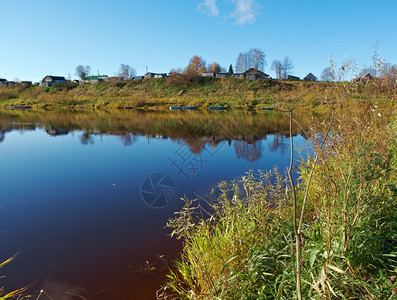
pixel 53 37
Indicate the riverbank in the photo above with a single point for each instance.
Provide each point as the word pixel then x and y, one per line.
pixel 201 92
pixel 246 246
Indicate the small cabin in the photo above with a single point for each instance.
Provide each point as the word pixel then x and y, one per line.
pixel 239 75
pixel 365 78
pixel 310 77
pixel 293 78
pixel 155 75
pixel 208 74
pixel 222 74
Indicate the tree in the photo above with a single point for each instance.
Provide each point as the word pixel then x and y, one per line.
pixel 126 72
pixel 176 71
pixel 196 65
pixel 83 72
pixel 214 67
pixel 288 66
pixel 326 74
pixel 231 69
pixel 367 70
pixel 282 68
pixel 253 58
pixel 278 68
pixel 257 57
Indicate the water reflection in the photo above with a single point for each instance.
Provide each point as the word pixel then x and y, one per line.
pixel 280 143
pixel 249 150
pixel 195 129
pixel 80 219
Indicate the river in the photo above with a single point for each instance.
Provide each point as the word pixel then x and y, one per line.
pixel 85 196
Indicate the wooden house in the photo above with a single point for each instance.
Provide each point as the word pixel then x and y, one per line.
pixel 293 78
pixel 155 75
pixel 253 74
pixel 49 80
pixel 365 78
pixel 96 78
pixel 310 77
pixel 222 74
pixel 208 74
pixel 238 75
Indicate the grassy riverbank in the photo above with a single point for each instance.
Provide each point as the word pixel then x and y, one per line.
pixel 236 94
pixel 245 247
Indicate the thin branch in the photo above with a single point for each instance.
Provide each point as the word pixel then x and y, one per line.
pixel 312 171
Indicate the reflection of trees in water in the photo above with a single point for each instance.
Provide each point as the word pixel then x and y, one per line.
pixel 128 139
pixel 279 143
pixel 87 139
pixel 2 136
pixel 250 151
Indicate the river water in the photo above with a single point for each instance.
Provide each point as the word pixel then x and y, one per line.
pixel 85 196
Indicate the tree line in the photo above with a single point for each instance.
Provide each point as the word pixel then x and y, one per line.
pixel 256 58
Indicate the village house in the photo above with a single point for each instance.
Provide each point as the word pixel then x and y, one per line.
pixel 254 74
pixel 251 74
pixel 310 77
pixel 155 75
pixel 222 74
pixel 365 78
pixel 239 75
pixel 293 78
pixel 49 80
pixel 208 74
pixel 95 79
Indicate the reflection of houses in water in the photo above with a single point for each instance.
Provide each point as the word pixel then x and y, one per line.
pixel 250 148
pixel 22 127
pixel 56 131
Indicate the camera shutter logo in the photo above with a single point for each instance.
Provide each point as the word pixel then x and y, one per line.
pixel 158 190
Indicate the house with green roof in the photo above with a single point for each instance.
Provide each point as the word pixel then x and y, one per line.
pixel 95 79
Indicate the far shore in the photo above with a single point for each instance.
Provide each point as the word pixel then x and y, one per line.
pixel 200 93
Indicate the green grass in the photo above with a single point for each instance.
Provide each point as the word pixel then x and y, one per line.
pixel 242 246
pixel 236 94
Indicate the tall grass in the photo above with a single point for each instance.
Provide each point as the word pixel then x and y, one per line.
pixel 17 294
pixel 200 91
pixel 338 235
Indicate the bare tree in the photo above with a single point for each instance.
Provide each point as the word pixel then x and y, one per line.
pixel 326 74
pixel 240 64
pixel 278 68
pixel 288 66
pixel 258 59
pixel 253 58
pixel 367 70
pixel 282 68
pixel 126 72
pixel 83 72
pixel 176 71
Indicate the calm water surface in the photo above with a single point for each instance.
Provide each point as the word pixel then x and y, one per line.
pixel 84 197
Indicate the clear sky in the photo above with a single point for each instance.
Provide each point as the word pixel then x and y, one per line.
pixel 39 38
